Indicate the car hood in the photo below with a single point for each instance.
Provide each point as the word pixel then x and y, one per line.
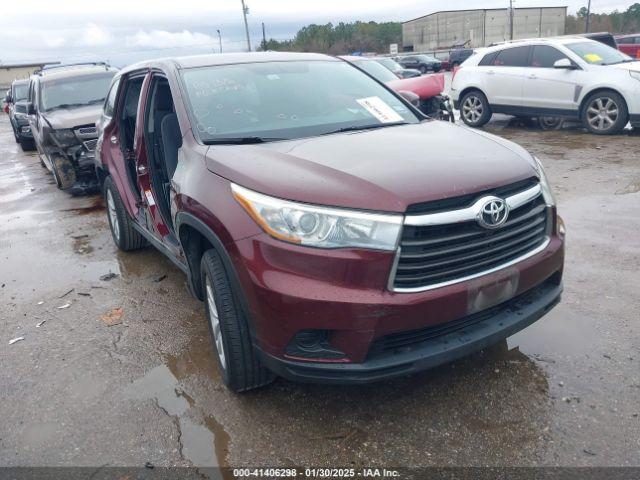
pixel 73 117
pixel 425 86
pixel 384 170
pixel 632 66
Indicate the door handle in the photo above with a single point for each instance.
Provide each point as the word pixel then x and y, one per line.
pixel 491 72
pixel 533 76
pixel 114 139
pixel 141 169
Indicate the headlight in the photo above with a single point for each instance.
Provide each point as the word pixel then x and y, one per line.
pixel 635 75
pixel 64 137
pixel 544 184
pixel 317 226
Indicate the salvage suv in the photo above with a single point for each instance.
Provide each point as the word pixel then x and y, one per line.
pixel 334 233
pixel 64 102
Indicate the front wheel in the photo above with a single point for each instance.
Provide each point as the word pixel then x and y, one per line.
pixel 64 173
pixel 474 109
pixel 550 123
pixel 423 70
pixel 238 361
pixel 124 235
pixel 605 113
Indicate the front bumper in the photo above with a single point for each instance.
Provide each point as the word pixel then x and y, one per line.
pixel 635 120
pixel 289 289
pixel 471 336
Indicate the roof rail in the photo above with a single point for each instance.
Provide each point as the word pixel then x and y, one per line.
pixel 47 68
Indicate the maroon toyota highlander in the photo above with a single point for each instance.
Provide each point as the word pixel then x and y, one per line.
pixel 333 232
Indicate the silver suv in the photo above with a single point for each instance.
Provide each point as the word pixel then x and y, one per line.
pixel 63 104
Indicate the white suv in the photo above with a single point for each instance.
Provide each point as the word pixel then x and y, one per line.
pixel 569 77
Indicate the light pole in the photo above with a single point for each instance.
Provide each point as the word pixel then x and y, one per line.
pixel 245 11
pixel 588 20
pixel 220 40
pixel 510 19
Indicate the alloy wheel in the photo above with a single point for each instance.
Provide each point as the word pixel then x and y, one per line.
pixel 215 324
pixel 602 113
pixel 472 108
pixel 113 215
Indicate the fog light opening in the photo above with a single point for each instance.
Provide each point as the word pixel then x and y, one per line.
pixel 313 345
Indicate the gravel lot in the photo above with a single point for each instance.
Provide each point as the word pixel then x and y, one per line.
pixel 565 391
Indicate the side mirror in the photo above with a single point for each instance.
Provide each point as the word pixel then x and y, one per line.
pixel 564 64
pixel 410 97
pixel 8 99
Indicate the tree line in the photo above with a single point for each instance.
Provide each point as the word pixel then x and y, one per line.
pixel 376 37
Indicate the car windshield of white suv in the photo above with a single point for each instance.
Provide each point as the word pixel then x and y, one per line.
pixel 20 92
pixel 256 102
pixel 597 53
pixel 75 91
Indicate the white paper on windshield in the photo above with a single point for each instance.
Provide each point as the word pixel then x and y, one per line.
pixel 379 109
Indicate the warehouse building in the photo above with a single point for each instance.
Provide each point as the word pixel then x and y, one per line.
pixel 18 71
pixel 480 28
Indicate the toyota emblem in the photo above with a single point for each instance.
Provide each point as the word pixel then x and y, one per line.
pixel 493 213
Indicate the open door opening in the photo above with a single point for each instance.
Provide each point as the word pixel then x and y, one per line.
pixel 127 127
pixel 164 139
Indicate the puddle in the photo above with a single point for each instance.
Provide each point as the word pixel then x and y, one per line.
pixel 97 205
pixel 82 245
pixel 203 441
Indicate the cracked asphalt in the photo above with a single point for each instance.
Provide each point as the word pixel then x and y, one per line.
pixel 76 392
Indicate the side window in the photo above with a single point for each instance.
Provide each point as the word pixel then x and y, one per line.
pixel 545 56
pixel 488 59
pixel 637 40
pixel 512 57
pixel 110 102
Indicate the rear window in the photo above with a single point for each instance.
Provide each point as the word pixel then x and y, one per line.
pixel 512 57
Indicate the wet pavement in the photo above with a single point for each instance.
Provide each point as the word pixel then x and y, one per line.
pixel 565 391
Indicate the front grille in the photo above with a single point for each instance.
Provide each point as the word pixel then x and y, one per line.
pixel 87 131
pixel 401 341
pixel 91 144
pixel 436 255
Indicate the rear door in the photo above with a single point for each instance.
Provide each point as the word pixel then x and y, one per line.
pixel 550 89
pixel 504 77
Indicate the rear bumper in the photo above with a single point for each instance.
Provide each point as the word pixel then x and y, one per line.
pixel 515 315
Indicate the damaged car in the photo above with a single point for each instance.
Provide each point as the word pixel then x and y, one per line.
pixel 17 106
pixel 336 237
pixel 63 103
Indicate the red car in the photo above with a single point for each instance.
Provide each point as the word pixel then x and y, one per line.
pixel 333 233
pixel 629 44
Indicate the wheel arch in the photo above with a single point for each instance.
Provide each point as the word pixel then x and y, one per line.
pixel 469 89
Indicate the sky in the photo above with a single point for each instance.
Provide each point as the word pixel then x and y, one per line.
pixel 124 31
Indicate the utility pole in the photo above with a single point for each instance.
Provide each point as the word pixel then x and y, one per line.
pixel 588 19
pixel 245 11
pixel 264 39
pixel 220 40
pixel 510 19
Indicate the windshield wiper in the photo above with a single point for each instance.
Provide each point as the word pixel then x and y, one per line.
pixel 240 140
pixel 626 60
pixel 355 128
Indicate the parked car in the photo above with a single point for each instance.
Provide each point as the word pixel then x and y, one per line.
pixel 64 103
pixel 423 63
pixel 458 56
pixel 629 44
pixel 17 109
pixel 568 77
pixel 426 88
pixel 333 234
pixel 396 68
pixel 602 37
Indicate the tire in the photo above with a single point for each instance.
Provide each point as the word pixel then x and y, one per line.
pixel 550 123
pixel 474 109
pixel 27 144
pixel 238 361
pixel 124 235
pixel 605 113
pixel 423 70
pixel 64 173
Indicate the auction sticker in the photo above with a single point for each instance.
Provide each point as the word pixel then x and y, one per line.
pixel 379 109
pixel 150 201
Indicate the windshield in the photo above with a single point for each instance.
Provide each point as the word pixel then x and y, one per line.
pixel 390 64
pixel 20 92
pixel 597 53
pixel 75 91
pixel 376 70
pixel 287 100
